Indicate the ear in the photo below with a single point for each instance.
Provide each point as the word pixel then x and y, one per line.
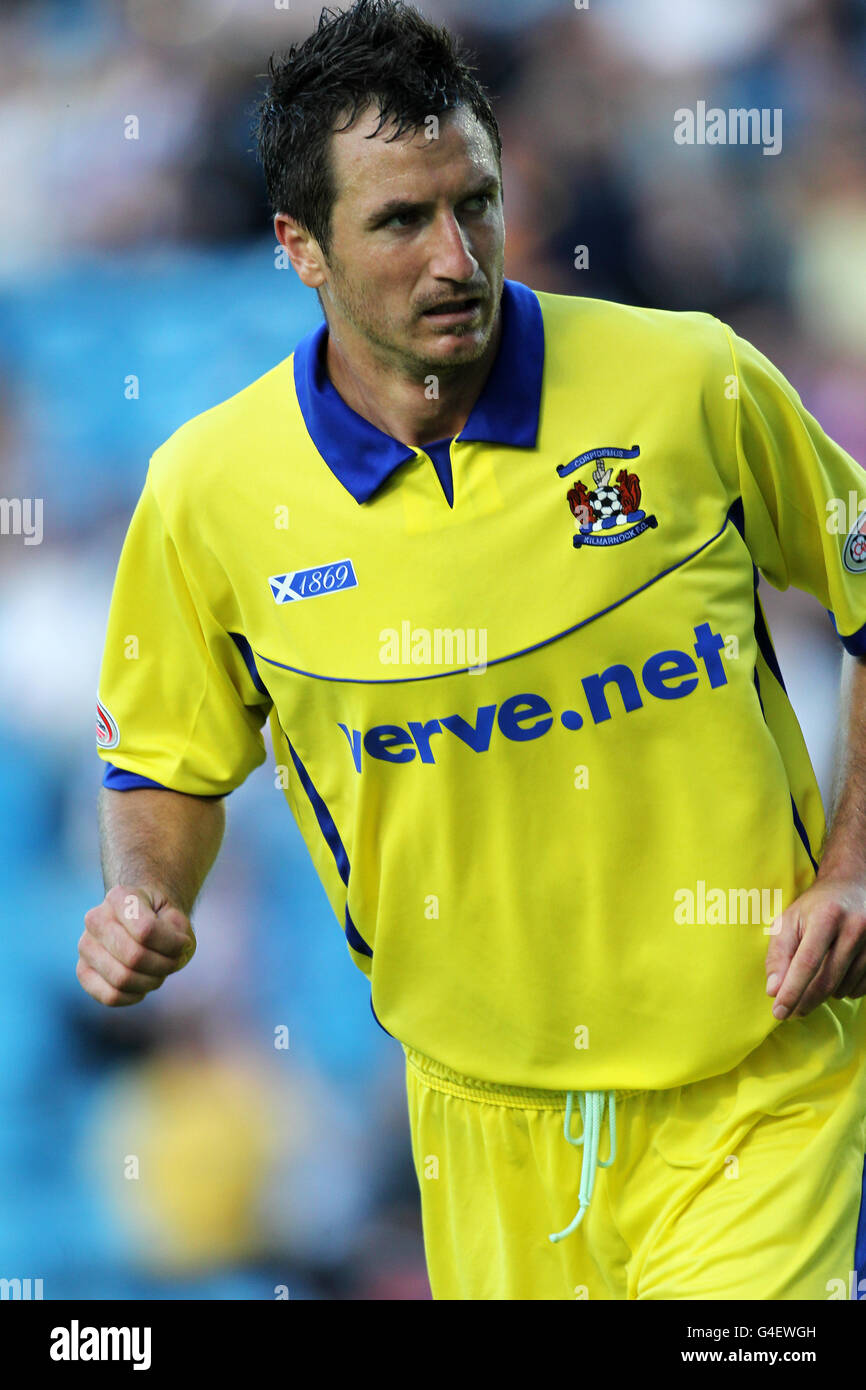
pixel 302 250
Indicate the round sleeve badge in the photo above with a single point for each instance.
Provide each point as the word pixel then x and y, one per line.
pixel 107 734
pixel 854 554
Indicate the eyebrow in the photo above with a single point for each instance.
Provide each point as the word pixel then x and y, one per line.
pixel 396 205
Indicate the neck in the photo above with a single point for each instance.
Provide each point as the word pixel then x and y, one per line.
pixel 396 403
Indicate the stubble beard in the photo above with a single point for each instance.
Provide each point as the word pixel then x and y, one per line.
pixel 389 339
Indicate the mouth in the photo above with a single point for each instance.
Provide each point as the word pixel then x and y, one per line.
pixel 453 311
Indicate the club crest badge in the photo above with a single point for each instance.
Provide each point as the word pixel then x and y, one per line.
pixel 854 554
pixel 606 513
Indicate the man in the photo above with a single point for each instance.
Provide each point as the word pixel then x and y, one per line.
pixel 574 865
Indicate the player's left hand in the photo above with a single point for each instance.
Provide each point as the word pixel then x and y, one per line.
pixel 819 949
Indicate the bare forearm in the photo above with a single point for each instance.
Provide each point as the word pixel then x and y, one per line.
pixel 845 847
pixel 162 841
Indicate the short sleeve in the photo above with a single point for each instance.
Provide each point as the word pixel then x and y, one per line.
pixel 180 704
pixel 804 497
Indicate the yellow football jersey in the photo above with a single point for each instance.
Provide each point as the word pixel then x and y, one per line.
pixel 532 725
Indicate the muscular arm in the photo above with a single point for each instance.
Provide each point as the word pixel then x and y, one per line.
pixel 157 849
pixel 159 840
pixel 819 948
pixel 845 848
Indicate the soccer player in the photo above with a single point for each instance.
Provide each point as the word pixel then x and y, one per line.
pixel 487 559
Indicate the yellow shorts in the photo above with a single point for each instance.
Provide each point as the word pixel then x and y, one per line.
pixel 747 1185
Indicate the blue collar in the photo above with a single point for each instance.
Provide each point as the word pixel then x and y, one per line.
pixel 361 456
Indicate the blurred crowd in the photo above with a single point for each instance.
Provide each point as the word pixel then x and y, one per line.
pixel 174 1150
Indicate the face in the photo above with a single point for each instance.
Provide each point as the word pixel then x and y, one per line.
pixel 417 230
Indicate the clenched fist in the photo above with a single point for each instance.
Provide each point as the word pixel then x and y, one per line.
pixel 132 941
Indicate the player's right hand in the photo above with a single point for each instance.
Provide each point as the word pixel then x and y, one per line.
pixel 131 942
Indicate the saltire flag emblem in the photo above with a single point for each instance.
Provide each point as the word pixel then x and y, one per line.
pixel 313 582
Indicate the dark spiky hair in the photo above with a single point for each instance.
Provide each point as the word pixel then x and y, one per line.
pixel 380 52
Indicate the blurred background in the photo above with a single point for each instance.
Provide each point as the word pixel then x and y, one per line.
pixel 137 288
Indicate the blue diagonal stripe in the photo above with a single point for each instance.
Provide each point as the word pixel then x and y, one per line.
pixel 338 849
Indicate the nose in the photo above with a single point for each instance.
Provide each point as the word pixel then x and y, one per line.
pixel 451 259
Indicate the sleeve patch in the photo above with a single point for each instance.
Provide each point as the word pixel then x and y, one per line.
pixel 854 554
pixel 107 733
